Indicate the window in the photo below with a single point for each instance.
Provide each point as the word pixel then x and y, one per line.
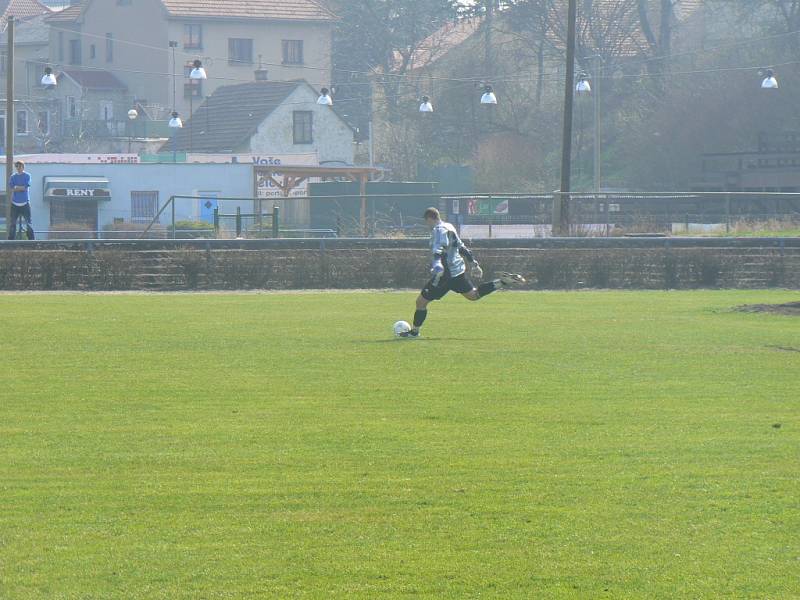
pixel 303 126
pixel 43 122
pixel 193 36
pixel 72 107
pixel 74 52
pixel 293 52
pixel 61 46
pixel 109 47
pixel 192 88
pixel 240 51
pixel 106 110
pixel 3 61
pixel 22 122
pixel 92 51
pixel 144 206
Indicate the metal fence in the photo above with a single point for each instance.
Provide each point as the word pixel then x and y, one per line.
pixel 477 216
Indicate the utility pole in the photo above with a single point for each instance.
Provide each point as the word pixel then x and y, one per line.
pixel 9 116
pixel 596 90
pixel 561 199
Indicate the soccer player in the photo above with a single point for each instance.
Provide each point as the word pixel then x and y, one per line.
pixel 449 271
pixel 20 184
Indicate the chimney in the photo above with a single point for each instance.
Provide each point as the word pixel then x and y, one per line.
pixel 261 72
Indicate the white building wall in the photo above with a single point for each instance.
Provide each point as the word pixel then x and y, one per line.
pixel 231 180
pixel 267 39
pixel 332 138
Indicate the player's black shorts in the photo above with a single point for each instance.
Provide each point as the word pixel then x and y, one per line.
pixel 461 285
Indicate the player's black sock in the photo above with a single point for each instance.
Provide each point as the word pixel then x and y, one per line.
pixel 487 288
pixel 419 318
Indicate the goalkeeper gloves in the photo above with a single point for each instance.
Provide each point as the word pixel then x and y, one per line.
pixel 476 270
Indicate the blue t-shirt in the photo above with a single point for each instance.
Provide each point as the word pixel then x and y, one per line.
pixel 23 179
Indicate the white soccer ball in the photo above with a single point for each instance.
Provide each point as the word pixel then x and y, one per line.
pixel 401 327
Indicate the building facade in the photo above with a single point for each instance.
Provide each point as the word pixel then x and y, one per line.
pixel 290 39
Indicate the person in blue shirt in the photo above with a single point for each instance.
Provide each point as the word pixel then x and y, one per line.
pixel 20 185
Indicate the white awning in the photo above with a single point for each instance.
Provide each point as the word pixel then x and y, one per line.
pixel 76 188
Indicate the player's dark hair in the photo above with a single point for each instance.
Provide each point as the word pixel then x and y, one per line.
pixel 432 213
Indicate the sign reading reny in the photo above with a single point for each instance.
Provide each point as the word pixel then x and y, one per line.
pixel 79 193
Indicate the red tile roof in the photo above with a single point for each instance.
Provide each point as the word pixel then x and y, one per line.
pixel 68 15
pixel 440 42
pixel 21 9
pixel 294 10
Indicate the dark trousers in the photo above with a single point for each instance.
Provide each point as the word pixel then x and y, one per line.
pixel 25 213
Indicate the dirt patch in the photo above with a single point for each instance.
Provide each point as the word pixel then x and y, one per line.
pixel 790 308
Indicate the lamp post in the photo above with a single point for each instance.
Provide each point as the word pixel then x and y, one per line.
pixel 9 115
pixel 132 115
pixel 175 123
pixel 197 74
pixel 596 98
pixel 561 200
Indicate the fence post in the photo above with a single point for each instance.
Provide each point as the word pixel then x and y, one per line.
pixel 172 200
pixel 276 214
pixel 216 222
pixel 238 221
pixel 727 213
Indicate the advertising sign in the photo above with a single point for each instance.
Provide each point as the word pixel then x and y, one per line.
pixel 79 159
pixel 486 206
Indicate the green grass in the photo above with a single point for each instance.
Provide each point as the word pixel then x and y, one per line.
pixel 533 445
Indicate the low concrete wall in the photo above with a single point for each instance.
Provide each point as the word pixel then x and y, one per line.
pixel 636 263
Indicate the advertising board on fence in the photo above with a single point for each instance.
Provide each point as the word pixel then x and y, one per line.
pixel 487 206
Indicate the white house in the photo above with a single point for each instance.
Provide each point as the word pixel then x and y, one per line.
pixel 266 117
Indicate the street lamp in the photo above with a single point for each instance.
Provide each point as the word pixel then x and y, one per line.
pixel 132 116
pixel 426 106
pixel 583 88
pixel 488 98
pixel 325 97
pixel 49 80
pixel 198 72
pixel 769 83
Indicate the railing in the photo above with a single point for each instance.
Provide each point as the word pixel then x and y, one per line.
pixel 478 215
pixel 258 219
pixel 273 218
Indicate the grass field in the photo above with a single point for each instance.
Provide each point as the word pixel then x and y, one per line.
pixel 534 445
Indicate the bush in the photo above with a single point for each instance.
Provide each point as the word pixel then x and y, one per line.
pixel 70 231
pixel 192 229
pixel 126 230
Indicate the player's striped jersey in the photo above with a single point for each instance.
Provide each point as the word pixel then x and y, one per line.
pixel 446 246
